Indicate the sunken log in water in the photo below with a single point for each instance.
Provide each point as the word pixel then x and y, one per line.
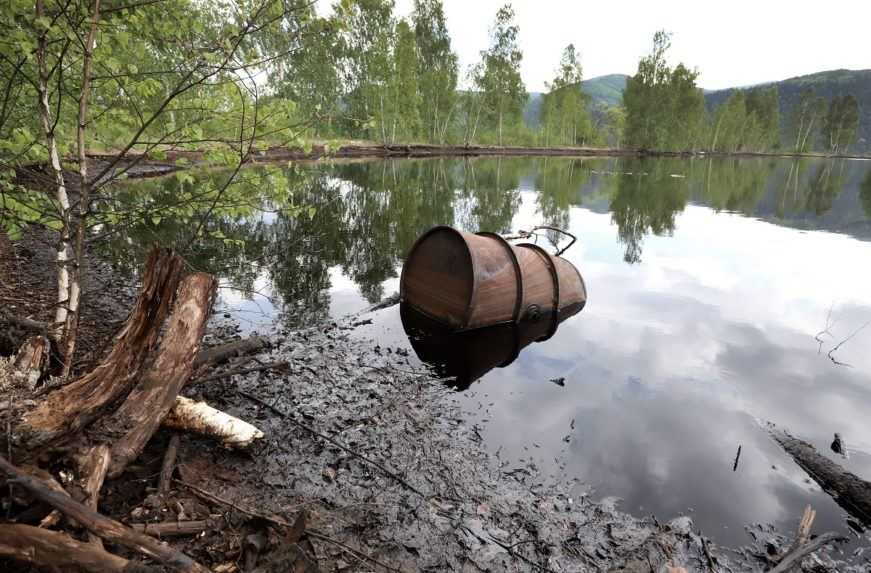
pixel 468 281
pixel 849 490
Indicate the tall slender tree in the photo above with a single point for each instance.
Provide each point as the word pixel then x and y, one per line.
pixel 438 69
pixel 664 107
pixel 841 123
pixel 564 112
pixel 404 85
pixel 499 78
pixel 366 31
pixel 806 118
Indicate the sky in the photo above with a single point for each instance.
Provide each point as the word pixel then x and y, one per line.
pixel 734 43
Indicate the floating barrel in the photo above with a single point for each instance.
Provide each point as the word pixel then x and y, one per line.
pixel 468 281
pixel 469 354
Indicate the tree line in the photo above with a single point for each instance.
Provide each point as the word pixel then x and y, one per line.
pixel 665 110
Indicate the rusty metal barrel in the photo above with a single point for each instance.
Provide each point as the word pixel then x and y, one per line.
pixel 474 280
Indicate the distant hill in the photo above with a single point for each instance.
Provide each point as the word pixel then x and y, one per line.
pixel 826 84
pixel 608 90
pixel 603 91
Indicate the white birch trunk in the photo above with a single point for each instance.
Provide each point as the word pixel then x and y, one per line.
pixel 201 418
pixel 62 255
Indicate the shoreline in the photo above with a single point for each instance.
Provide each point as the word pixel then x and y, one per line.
pixel 150 167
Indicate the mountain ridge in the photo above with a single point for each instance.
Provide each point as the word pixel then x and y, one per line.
pixel 607 90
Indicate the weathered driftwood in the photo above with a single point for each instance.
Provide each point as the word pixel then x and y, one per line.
pixel 31 361
pixel 849 490
pixel 201 418
pixel 71 408
pixel 172 528
pixel 106 528
pixel 155 395
pixel 795 557
pixel 93 467
pixel 223 352
pixel 52 549
pixel 167 468
pixel 109 414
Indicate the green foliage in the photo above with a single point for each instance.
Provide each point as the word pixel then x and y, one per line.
pixel 748 121
pixel 865 194
pixel 405 101
pixel 664 108
pixel 806 119
pixel 564 115
pixel 503 94
pixel 366 32
pixel 437 69
pixel 841 123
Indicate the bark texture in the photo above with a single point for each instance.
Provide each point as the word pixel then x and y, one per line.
pixel 151 400
pixel 52 549
pixel 106 528
pixel 72 407
pixel 31 361
pixel 201 418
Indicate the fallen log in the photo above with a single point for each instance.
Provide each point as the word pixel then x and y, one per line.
pixel 106 528
pixel 223 352
pixel 199 417
pixel 848 490
pixel 52 549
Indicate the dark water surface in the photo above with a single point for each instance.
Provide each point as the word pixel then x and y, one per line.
pixel 708 281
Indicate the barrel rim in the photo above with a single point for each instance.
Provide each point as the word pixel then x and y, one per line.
pixel 554 276
pixel 518 273
pixel 474 270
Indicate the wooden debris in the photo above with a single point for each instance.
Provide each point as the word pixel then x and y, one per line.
pixel 796 555
pixel 224 352
pixel 849 490
pixel 31 361
pixel 199 417
pixel 155 394
pixel 168 466
pixel 53 549
pixel 172 528
pixel 106 528
pixel 69 409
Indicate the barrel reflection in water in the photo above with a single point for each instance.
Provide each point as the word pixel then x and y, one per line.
pixel 466 356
